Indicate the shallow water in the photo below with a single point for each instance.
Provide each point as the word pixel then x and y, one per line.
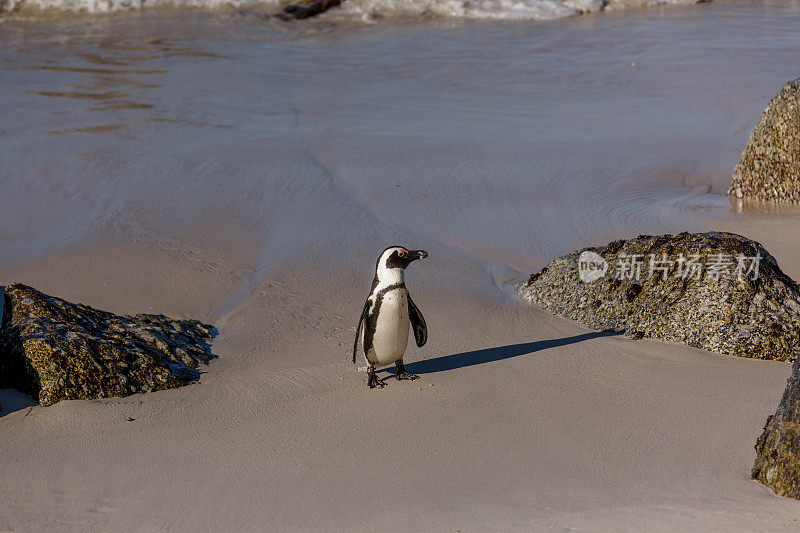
pixel 226 137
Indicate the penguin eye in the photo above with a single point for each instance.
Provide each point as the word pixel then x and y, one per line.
pixel 402 253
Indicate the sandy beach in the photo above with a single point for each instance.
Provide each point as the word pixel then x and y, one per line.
pixel 232 170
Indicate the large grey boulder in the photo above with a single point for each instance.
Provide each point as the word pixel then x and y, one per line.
pixel 56 350
pixel 769 167
pixel 717 291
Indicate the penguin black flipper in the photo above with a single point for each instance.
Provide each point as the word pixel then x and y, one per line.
pixel 418 323
pixel 358 328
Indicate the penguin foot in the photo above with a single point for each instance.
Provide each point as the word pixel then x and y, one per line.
pixel 373 382
pixel 401 371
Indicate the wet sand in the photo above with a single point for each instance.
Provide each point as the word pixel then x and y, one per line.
pixel 250 177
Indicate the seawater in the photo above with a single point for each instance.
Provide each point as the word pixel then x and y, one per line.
pixel 511 143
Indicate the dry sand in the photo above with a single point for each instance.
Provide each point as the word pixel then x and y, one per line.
pixel 269 229
pixel 519 420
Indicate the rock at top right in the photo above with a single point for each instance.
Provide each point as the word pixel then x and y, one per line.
pixel 769 168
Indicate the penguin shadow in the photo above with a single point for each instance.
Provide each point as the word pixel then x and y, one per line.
pixel 489 355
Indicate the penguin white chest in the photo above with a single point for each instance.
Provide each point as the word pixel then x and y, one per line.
pixel 391 329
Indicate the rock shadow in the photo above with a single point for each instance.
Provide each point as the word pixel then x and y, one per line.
pixel 12 400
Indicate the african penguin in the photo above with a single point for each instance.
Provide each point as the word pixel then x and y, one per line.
pixel 383 326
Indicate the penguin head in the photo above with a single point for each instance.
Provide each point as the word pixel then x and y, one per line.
pixel 398 257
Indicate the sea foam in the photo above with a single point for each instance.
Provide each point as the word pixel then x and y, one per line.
pixel 369 9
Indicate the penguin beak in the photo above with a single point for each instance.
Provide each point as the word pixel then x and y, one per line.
pixel 418 254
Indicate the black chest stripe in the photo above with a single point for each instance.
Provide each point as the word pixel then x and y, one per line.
pixel 372 316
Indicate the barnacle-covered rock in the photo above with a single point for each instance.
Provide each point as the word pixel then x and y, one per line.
pixel 56 350
pixel 778 448
pixel 306 9
pixel 769 167
pixel 717 291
